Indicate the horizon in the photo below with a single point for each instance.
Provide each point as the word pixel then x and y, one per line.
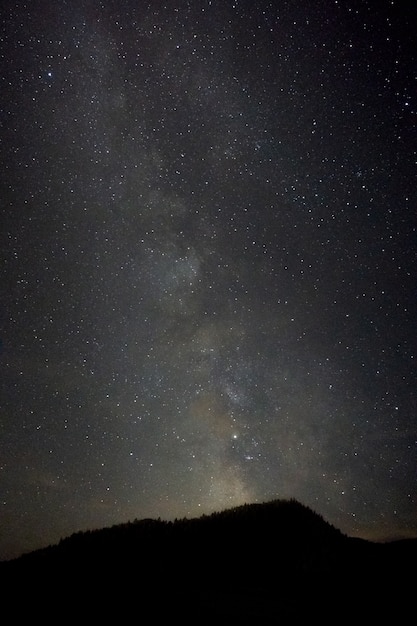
pixel 174 519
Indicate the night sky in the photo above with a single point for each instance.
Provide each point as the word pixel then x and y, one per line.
pixel 208 262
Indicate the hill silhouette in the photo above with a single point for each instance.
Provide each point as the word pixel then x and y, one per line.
pixel 255 563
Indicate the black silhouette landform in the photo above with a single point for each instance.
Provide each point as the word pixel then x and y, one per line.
pixel 273 562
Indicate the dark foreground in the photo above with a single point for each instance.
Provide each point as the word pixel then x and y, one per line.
pixel 274 563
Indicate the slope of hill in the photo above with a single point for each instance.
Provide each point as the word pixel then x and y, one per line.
pixel 257 561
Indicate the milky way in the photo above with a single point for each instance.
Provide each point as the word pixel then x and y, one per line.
pixel 208 238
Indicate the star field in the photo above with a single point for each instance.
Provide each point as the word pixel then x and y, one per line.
pixel 208 262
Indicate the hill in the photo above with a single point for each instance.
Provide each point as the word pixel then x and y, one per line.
pixel 255 562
